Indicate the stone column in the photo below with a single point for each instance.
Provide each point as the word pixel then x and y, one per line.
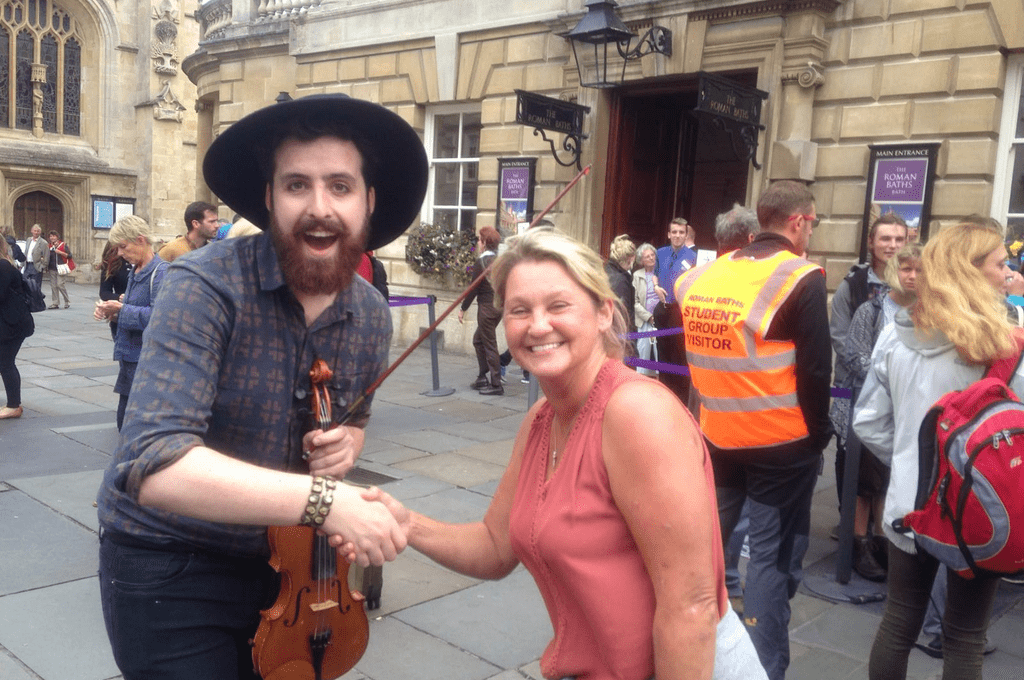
pixel 794 155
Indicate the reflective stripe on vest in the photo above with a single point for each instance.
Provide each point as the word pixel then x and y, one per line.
pixel 747 384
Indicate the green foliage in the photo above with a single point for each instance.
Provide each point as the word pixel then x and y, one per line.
pixel 434 252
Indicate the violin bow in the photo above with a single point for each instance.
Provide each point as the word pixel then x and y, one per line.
pixel 462 296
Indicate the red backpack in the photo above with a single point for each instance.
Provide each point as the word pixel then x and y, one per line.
pixel 970 495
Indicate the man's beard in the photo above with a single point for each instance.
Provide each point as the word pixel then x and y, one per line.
pixel 317 276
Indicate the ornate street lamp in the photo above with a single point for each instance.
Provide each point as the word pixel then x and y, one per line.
pixel 600 27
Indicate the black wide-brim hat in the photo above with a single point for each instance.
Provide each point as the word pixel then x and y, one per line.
pixel 233 172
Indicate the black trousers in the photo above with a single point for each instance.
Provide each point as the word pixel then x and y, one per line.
pixel 672 349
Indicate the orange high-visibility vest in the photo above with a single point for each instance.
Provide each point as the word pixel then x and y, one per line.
pixel 747 384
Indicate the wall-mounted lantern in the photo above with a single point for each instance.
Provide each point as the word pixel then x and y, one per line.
pixel 593 36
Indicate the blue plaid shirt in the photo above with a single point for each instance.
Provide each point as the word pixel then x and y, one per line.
pixel 225 363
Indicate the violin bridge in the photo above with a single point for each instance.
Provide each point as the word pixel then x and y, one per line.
pixel 323 606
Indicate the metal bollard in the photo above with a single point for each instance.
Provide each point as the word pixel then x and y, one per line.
pixel 437 390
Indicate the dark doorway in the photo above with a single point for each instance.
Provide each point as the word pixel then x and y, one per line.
pixel 665 161
pixel 38 207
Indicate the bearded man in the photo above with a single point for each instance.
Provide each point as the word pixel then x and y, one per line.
pixel 217 442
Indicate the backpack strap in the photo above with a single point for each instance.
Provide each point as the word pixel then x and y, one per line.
pixel 1003 369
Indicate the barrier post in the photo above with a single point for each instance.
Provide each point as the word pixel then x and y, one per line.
pixel 437 390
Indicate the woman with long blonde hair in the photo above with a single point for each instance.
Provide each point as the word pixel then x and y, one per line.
pixel 956 328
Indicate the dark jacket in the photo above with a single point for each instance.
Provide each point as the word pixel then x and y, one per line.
pixel 484 292
pixel 622 286
pixel 15 318
pixel 16 251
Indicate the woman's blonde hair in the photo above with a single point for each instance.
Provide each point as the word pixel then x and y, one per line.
pixel 891 275
pixel 583 265
pixel 5 250
pixel 954 297
pixel 622 250
pixel 129 228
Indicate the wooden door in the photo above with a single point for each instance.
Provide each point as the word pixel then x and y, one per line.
pixel 666 162
pixel 38 207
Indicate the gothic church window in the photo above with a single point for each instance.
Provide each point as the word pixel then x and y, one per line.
pixel 40 67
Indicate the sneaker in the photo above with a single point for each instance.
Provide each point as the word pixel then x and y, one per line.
pixel 480 383
pixel 492 390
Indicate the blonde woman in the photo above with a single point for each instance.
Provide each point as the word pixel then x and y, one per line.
pixel 612 512
pixel 620 261
pixel 942 343
pixel 133 238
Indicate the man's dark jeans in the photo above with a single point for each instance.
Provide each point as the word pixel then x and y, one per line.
pixel 180 615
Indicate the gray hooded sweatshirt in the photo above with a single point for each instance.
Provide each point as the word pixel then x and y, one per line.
pixel 909 373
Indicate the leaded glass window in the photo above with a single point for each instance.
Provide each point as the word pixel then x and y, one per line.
pixel 72 86
pixel 43 34
pixel 5 77
pixel 23 88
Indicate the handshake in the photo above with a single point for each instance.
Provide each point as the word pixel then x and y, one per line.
pixel 368 527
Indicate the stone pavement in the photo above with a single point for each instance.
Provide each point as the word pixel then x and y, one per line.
pixel 445 455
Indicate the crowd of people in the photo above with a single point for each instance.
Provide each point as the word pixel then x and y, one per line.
pixel 620 518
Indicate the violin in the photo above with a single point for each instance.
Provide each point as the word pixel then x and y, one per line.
pixel 317 628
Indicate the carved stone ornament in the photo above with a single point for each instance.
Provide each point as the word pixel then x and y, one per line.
pixel 166 10
pixel 165 105
pixel 165 50
pixel 810 76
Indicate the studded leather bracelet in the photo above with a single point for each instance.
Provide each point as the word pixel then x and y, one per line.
pixel 318 505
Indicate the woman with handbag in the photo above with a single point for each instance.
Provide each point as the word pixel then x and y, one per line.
pixel 942 343
pixel 16 324
pixel 61 265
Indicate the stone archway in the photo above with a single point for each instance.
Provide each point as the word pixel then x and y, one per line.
pixel 38 207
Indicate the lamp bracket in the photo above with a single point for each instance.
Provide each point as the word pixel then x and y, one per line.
pixel 657 39
pixel 572 143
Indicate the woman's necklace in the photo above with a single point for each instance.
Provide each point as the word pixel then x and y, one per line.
pixel 555 436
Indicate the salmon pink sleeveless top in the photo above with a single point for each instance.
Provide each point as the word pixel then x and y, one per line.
pixel 572 538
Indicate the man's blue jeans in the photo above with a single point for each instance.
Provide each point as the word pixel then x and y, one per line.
pixel 180 615
pixel 779 504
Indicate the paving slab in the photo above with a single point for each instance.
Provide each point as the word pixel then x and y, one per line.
pixel 482 432
pixel 72 495
pixel 394 419
pixel 48 454
pixel 430 441
pixel 843 629
pixel 806 663
pixel 398 651
pixel 497 452
pixel 409 581
pixel 39 547
pixel 58 641
pixel 454 468
pixel 503 622
pixel 456 506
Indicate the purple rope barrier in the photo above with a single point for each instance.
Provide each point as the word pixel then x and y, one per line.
pixel 404 301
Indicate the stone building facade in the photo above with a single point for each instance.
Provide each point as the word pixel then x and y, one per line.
pixel 836 75
pixel 96 118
